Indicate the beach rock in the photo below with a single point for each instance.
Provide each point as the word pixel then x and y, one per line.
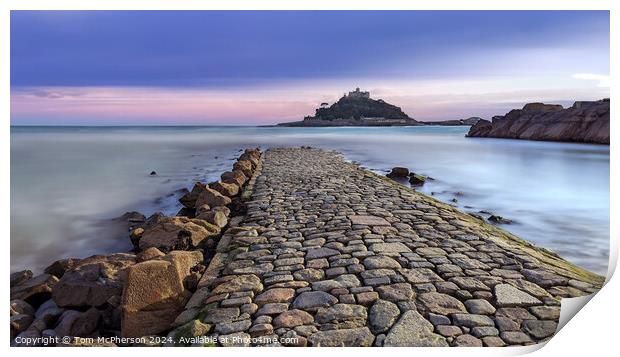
pixel 215 217
pixel 412 330
pixel 59 267
pixel 21 307
pixel 244 166
pixel 76 323
pixel 499 219
pixel 416 180
pixel 212 198
pixel 135 236
pixel 583 122
pixel 155 293
pixel 148 254
pixel 35 290
pixel 398 172
pixel 93 280
pixel 235 177
pixel 226 189
pixel 20 276
pixel 177 233
pixel 189 199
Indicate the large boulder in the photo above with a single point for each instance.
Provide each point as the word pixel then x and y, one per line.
pixel 244 166
pixel 155 293
pixel 93 281
pixel 35 290
pixel 189 199
pixel 59 267
pixel 236 176
pixel 398 172
pixel 19 277
pixel 177 233
pixel 226 189
pixel 215 217
pixel 76 323
pixel 212 198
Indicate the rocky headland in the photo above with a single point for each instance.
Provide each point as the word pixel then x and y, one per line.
pixel 297 247
pixel 356 109
pixel 585 122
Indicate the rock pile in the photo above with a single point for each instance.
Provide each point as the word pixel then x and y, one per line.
pixel 138 293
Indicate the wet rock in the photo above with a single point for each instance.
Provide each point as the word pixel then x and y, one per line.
pixel 20 322
pixel 212 198
pixel 177 233
pixel 416 180
pixel 19 277
pixel 412 330
pixel 499 219
pixel 398 172
pixel 382 316
pixel 59 267
pixel 35 290
pixel 93 281
pixel 21 307
pixel 189 199
pixel 75 323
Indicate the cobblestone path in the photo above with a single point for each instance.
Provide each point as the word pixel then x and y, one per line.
pixel 330 254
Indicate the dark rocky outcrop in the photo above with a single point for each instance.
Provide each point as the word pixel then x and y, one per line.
pixel 357 109
pixel 586 122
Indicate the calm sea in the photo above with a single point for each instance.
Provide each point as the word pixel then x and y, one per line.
pixel 67 181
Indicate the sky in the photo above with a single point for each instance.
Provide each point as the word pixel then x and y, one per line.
pixel 265 67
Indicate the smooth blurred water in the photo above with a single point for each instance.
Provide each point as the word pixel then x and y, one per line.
pixel 66 180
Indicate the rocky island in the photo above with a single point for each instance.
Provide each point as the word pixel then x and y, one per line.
pixel 584 121
pixel 356 109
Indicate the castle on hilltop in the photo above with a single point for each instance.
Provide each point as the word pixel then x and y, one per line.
pixel 358 94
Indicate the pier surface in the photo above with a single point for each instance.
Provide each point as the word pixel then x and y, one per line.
pixel 331 254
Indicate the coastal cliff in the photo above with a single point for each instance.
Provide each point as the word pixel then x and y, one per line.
pixel 356 109
pixel 584 121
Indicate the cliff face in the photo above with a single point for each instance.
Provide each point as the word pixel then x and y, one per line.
pixel 586 122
